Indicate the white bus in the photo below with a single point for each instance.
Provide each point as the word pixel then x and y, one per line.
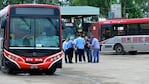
pixel 122 36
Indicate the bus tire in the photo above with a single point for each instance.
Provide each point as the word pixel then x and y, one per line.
pixel 5 68
pixel 119 49
pixel 50 71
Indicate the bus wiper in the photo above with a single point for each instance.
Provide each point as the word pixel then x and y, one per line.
pixel 49 19
pixel 22 18
pixel 25 21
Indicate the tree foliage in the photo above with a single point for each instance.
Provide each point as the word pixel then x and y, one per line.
pixel 131 7
pixel 134 8
pixel 4 3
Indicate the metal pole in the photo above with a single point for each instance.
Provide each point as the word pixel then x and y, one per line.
pixel 124 10
pixel 110 4
pixel 34 2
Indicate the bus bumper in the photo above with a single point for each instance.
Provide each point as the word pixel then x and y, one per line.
pixel 18 62
pixel 107 48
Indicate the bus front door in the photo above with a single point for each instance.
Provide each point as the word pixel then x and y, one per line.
pixel 106 32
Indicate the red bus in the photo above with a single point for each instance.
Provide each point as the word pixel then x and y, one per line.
pixel 31 38
pixel 123 35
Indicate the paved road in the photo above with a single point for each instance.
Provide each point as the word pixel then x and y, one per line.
pixel 112 69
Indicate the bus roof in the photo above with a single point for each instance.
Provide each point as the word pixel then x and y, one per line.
pixel 5 10
pixel 125 21
pixel 41 5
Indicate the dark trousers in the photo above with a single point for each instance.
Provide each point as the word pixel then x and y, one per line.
pixel 66 56
pixel 89 54
pixel 81 54
pixel 70 54
pixel 76 56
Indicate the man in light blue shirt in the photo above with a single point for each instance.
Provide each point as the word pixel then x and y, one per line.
pixel 65 49
pixel 70 46
pixel 80 42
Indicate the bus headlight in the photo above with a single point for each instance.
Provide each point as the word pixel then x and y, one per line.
pixel 14 58
pixel 58 56
pixel 53 58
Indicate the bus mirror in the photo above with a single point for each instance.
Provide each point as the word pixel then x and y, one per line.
pixel 3 24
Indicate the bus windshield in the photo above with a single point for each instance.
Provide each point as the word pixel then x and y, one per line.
pixel 34 32
pixel 68 31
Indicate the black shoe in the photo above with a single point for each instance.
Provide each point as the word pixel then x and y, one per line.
pixel 70 62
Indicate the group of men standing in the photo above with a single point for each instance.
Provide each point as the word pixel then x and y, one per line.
pixel 80 45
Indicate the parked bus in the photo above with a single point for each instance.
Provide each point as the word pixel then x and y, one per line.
pixel 31 38
pixel 68 30
pixel 123 35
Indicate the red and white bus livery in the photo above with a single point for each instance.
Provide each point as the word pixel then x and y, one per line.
pixel 123 35
pixel 31 38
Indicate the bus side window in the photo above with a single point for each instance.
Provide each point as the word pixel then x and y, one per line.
pixel 120 30
pixel 107 33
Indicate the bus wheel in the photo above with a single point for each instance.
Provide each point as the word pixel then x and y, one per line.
pixel 5 68
pixel 50 71
pixel 119 49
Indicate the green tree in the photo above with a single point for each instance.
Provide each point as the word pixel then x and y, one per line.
pixel 4 3
pixel 104 5
pixel 131 7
